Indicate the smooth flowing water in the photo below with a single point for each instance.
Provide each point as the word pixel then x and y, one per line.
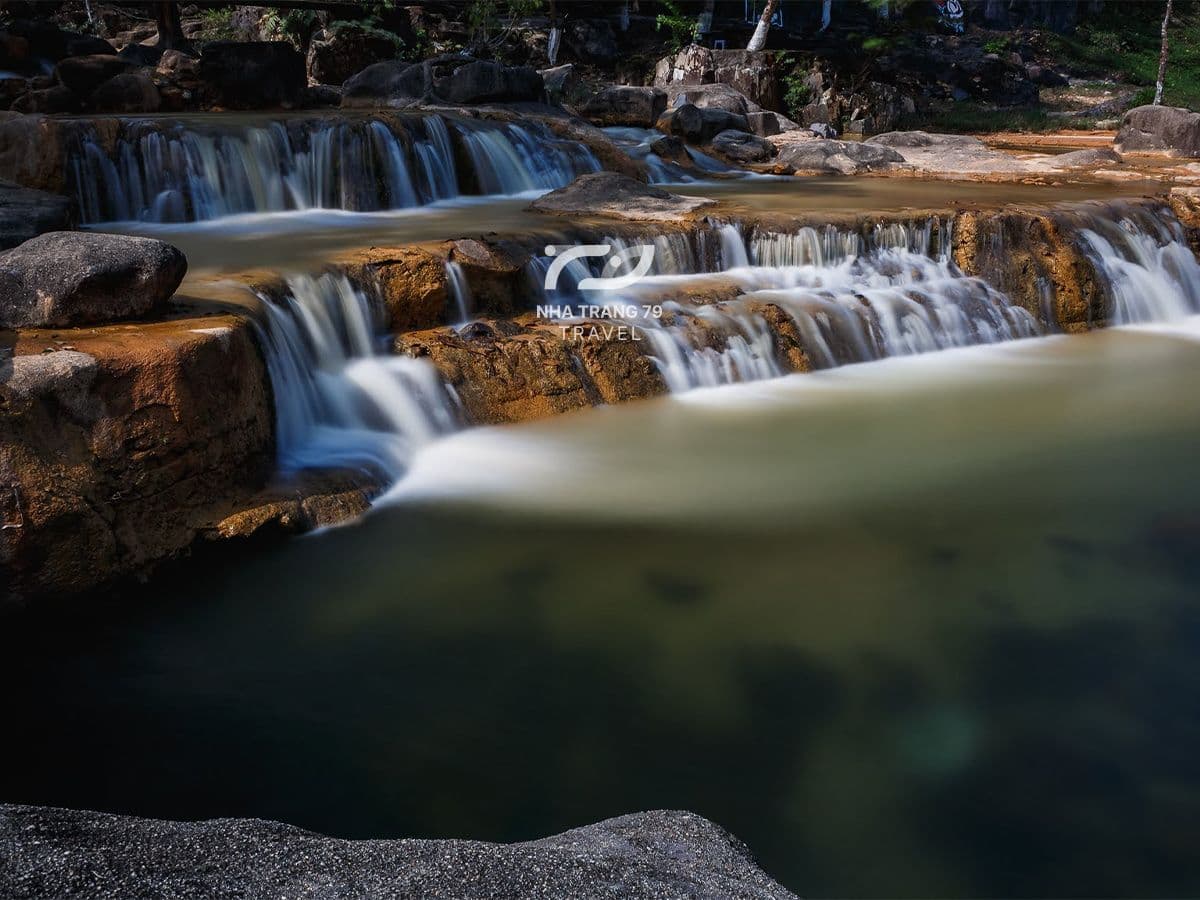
pixel 924 626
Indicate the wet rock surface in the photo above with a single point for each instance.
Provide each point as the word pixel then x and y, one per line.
pixel 610 194
pixel 506 371
pixel 67 278
pixel 661 854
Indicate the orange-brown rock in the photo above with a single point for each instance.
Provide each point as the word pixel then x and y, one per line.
pixel 118 442
pixel 411 281
pixel 512 372
pixel 1027 255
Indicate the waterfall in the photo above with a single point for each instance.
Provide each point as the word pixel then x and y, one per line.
pixel 1144 263
pixel 517 159
pixel 190 171
pixel 849 296
pixel 460 291
pixel 339 400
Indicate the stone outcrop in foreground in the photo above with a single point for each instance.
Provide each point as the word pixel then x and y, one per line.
pixel 57 853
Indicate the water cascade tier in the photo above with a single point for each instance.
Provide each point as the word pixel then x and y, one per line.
pixel 720 302
pixel 340 401
pixel 191 170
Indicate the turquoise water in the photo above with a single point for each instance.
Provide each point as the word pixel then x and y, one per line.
pixel 919 627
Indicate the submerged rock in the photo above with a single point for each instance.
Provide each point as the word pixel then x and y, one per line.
pixel 838 157
pixel 68 278
pixel 610 194
pixel 1160 129
pixel 661 854
pixel 618 104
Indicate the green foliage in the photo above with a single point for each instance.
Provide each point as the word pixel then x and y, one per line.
pixel 681 28
pixel 217 24
pixel 293 25
pixel 969 117
pixel 996 45
pixel 1126 46
pixel 876 45
pixel 796 92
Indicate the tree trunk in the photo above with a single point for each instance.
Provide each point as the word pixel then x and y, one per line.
pixel 1162 57
pixel 758 40
pixel 170 29
pixel 826 14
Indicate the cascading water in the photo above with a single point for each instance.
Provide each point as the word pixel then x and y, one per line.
pixel 180 172
pixel 1144 263
pixel 460 290
pixel 851 297
pixel 339 401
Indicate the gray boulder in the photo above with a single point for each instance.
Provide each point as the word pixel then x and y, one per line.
pixel 827 157
pixel 561 82
pixel 26 213
pixel 699 126
pixel 391 83
pixel 624 105
pixel 742 147
pixel 619 196
pixel 66 278
pixel 1160 129
pixel 1085 159
pixel 446 79
pixel 660 855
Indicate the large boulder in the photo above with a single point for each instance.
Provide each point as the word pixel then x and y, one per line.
pixel 699 126
pixel 66 278
pixel 337 53
pixel 921 139
pixel 714 96
pixel 26 213
pixel 487 81
pixel 254 75
pixel 825 157
pixel 83 74
pixel 617 104
pixel 391 83
pixel 610 194
pixel 742 147
pixel 447 79
pixel 751 73
pixel 129 93
pixel 562 83
pixel 645 856
pixel 1160 129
